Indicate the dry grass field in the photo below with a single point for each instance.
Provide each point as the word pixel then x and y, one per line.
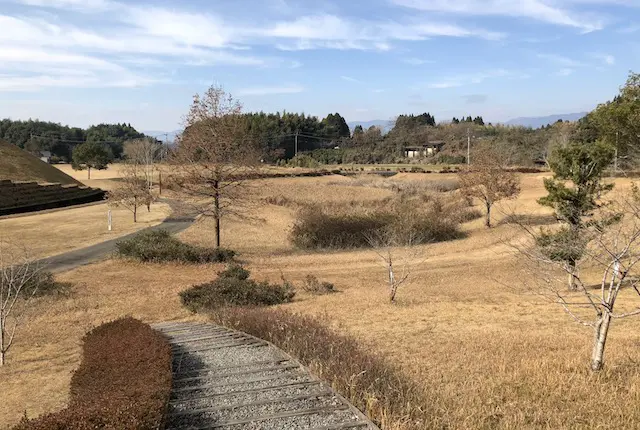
pixel 489 353
pixel 47 234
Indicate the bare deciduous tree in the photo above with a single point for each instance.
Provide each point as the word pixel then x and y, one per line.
pixel 386 244
pixel 143 152
pixel 488 181
pixel 609 256
pixel 213 157
pixel 132 191
pixel 18 285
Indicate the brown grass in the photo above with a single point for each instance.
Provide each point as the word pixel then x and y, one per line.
pixel 53 233
pixel 488 353
pixel 19 165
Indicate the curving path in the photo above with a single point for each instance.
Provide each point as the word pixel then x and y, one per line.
pixel 225 379
pixel 175 223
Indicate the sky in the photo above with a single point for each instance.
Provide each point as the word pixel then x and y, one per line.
pixel 82 62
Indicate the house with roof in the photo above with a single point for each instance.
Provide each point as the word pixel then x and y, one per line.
pixel 424 150
pixel 45 156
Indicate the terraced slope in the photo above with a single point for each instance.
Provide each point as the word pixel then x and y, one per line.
pixel 225 379
pixel 19 165
pixel 22 197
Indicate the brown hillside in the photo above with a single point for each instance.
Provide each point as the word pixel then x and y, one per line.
pixel 19 165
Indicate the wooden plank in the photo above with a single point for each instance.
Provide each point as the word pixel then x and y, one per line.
pixel 240 373
pixel 252 391
pixel 213 342
pixel 247 381
pixel 323 393
pixel 182 326
pixel 183 332
pixel 353 425
pixel 229 345
pixel 301 413
pixel 235 366
pixel 194 329
pixel 202 337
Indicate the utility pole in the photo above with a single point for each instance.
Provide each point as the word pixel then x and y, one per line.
pixel 296 143
pixel 468 147
pixel 615 160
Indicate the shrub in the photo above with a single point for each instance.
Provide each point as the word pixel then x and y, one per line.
pixel 450 159
pixel 368 381
pixel 317 227
pixel 526 170
pixel 159 246
pixel 303 160
pixel 352 227
pixel 234 288
pixel 44 284
pixel 313 286
pixel 123 382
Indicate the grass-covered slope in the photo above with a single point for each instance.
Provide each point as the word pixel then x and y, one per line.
pixel 19 165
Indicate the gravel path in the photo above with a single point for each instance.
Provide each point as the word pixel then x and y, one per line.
pixel 225 379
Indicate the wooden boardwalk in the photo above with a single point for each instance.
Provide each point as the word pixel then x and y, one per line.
pixel 225 379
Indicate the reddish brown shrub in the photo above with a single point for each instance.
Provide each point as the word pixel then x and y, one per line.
pixel 123 382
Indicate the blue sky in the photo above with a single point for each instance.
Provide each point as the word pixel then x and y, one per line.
pixel 81 62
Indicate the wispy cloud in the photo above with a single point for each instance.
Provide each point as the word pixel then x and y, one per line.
pixel 417 61
pixel 350 79
pixel 475 98
pixel 634 28
pixel 561 60
pixel 468 79
pixel 565 72
pixel 80 5
pixel 607 59
pixel 161 34
pixel 333 32
pixel 539 10
pixel 268 91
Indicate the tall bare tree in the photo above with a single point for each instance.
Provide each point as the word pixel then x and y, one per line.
pixel 133 191
pixel 144 152
pixel 18 285
pixel 214 156
pixel 488 180
pixel 610 277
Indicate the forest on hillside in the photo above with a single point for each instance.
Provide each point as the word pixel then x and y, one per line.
pixel 35 136
pixel 330 141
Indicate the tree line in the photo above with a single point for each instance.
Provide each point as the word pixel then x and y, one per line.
pixel 35 136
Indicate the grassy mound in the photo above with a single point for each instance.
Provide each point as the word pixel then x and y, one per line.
pixel 234 288
pixel 159 246
pixel 19 165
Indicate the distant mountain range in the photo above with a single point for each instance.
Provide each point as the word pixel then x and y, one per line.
pixel 542 121
pixel 533 122
pixel 386 124
pixel 158 134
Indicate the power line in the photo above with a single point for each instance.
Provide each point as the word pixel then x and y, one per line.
pixel 72 140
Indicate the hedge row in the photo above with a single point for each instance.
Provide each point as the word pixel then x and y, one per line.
pixel 123 382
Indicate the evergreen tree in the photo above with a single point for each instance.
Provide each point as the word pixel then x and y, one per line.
pixel 90 155
pixel 573 193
